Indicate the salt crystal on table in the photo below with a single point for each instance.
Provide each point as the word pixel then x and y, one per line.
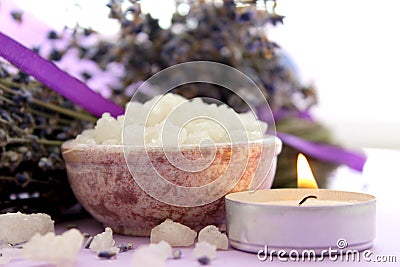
pixel 103 242
pixel 61 250
pixel 176 234
pixel 212 235
pixel 163 249
pixel 18 227
pixel 205 249
pixel 153 255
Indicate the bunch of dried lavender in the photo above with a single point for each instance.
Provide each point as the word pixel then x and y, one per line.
pixel 226 31
pixel 229 32
pixel 34 121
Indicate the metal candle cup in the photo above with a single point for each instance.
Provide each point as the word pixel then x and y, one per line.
pixel 274 218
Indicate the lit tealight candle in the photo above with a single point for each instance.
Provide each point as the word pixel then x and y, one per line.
pixel 306 218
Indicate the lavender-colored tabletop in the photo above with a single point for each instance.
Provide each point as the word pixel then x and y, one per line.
pixel 379 178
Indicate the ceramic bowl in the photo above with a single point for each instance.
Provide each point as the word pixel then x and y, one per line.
pixel 115 194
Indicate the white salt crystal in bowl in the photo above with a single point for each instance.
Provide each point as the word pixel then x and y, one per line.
pixel 113 178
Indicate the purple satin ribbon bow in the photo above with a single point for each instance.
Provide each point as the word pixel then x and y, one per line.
pixel 50 75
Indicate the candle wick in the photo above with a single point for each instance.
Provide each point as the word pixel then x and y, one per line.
pixel 305 199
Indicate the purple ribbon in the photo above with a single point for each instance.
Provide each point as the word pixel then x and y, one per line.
pixel 325 152
pixel 52 76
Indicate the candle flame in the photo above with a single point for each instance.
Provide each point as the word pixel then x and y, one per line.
pixel 305 177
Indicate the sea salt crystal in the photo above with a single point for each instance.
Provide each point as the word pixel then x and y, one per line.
pixel 18 227
pixel 104 242
pixel 162 107
pixel 108 128
pixel 81 139
pixel 212 235
pixel 153 255
pixel 176 234
pixel 163 249
pixel 61 250
pixel 184 121
pixel 86 137
pixel 205 249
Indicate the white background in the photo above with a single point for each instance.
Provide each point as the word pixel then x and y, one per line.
pixel 351 51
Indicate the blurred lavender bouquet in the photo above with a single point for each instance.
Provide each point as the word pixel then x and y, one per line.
pixel 226 31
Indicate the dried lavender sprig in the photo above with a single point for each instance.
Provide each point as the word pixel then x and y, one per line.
pixel 4 85
pixel 34 121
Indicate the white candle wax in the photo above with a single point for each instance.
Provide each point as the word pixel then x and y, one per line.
pixel 308 202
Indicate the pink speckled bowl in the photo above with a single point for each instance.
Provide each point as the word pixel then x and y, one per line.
pixel 103 184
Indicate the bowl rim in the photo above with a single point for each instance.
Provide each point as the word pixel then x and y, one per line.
pixel 268 139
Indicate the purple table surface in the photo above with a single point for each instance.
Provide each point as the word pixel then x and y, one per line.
pixel 380 178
